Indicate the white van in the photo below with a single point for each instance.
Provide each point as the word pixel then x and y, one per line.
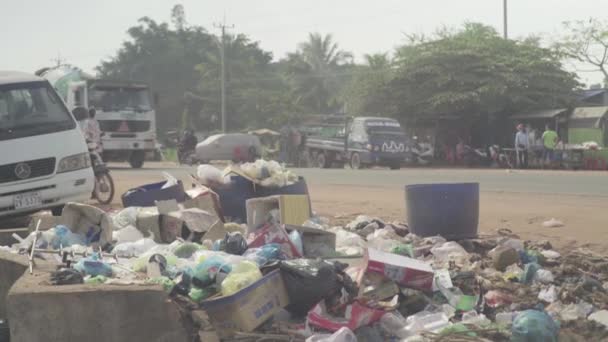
pixel 44 161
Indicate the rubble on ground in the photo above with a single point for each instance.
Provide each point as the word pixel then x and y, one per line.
pixel 368 280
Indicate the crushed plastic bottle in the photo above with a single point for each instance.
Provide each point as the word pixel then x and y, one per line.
pixel 394 324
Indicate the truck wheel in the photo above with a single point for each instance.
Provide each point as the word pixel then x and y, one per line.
pixel 355 161
pixel 322 161
pixel 395 165
pixel 136 160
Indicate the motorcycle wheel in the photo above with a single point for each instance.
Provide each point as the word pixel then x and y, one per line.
pixel 104 188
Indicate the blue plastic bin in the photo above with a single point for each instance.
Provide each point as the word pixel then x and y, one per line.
pixel 449 210
pixel 146 195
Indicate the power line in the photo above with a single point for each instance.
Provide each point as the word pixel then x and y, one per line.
pixel 222 42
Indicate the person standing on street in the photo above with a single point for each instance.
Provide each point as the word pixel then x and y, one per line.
pixel 550 140
pixel 522 145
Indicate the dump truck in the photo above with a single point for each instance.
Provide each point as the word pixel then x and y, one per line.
pixel 124 110
pixel 357 141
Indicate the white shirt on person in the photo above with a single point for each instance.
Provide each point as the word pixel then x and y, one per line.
pixel 521 139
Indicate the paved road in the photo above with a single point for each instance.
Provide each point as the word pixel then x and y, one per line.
pixel 534 181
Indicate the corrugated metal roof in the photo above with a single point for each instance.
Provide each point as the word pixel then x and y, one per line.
pixel 589 112
pixel 540 114
pixel 587 93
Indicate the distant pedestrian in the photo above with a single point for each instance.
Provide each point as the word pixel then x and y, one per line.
pixel 522 145
pixel 550 140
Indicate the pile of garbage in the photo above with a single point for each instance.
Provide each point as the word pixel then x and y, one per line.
pixel 405 288
pixel 287 275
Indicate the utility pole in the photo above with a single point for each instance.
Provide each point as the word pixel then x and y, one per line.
pixel 504 10
pixel 222 42
pixel 58 61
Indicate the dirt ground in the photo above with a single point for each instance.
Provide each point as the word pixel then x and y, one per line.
pixel 585 217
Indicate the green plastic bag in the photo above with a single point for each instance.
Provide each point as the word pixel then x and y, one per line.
pixel 243 274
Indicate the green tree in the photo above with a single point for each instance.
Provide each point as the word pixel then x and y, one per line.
pixel 366 93
pixel 474 72
pixel 316 73
pixel 586 42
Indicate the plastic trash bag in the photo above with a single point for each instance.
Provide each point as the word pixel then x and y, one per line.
pixel 66 276
pixel 307 282
pixel 342 335
pixel 296 239
pixel 93 266
pixel 64 237
pixel 208 175
pixel 533 325
pixel 242 275
pixel 126 217
pixel 204 273
pixel 186 250
pixel 265 254
pixel 127 234
pixel 130 249
pixel 170 180
pixel 235 243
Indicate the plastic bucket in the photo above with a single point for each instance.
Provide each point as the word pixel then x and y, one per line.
pixel 449 210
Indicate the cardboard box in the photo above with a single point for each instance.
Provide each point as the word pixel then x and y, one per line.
pixel 316 242
pixel 148 222
pixel 248 308
pixel 403 270
pixel 293 209
pixel 174 217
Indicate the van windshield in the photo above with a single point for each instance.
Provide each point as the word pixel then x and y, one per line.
pixel 31 108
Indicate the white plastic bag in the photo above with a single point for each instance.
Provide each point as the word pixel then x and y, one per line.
pixel 342 335
pixel 171 181
pixel 127 234
pixel 208 174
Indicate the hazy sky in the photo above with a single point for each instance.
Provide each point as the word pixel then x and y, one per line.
pixel 84 32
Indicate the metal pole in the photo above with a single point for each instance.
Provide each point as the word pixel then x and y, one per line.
pixel 223 76
pixel 505 21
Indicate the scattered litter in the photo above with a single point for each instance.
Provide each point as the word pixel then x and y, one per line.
pixel 553 223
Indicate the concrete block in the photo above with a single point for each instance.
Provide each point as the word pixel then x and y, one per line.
pixel 41 312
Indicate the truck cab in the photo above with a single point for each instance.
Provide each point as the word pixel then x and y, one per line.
pixel 375 141
pixel 124 110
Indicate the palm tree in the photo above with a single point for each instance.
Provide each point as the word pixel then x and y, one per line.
pixel 377 60
pixel 313 71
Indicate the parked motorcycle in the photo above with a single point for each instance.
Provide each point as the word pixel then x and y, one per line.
pixel 103 191
pixel 420 153
pixel 500 158
pixel 186 156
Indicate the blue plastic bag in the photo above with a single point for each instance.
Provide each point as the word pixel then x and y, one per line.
pixel 534 326
pixel 64 237
pixel 93 266
pixel 265 254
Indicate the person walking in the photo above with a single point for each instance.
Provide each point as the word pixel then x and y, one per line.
pixel 522 145
pixel 550 140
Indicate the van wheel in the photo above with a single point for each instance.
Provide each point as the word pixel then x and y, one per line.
pixel 355 161
pixel 395 166
pixel 57 211
pixel 136 160
pixel 322 161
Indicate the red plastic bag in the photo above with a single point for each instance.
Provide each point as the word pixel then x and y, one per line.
pixel 356 316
